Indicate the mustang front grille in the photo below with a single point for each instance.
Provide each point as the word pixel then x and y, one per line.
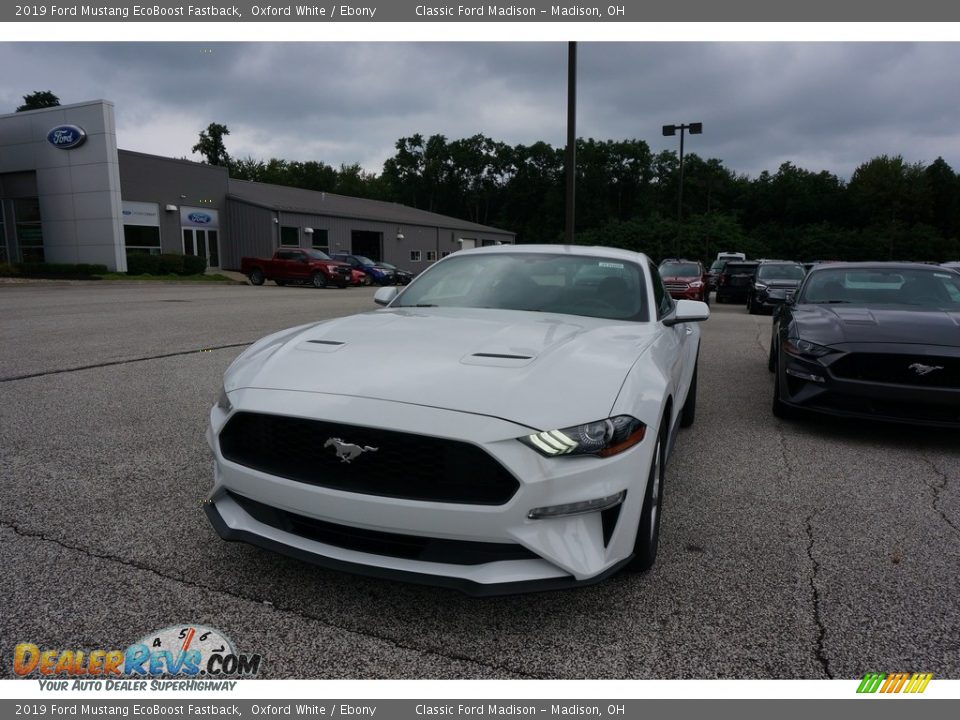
pixel 370 461
pixel 376 542
pixel 906 369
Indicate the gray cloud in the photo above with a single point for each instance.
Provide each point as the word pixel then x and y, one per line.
pixel 822 106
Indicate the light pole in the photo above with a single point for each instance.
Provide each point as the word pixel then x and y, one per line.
pixel 571 155
pixel 669 131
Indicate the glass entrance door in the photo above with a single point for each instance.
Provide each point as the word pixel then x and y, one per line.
pixel 203 243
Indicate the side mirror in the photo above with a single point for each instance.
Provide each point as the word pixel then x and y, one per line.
pixel 385 295
pixel 790 297
pixel 688 311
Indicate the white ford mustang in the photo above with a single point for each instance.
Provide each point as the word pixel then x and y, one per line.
pixel 501 426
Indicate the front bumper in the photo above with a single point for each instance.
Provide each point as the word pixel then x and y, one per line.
pixel 808 384
pixel 556 552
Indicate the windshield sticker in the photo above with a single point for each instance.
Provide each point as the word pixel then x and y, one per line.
pixel 616 266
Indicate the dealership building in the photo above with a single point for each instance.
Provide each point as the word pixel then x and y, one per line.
pixel 68 195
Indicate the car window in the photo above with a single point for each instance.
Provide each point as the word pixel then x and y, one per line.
pixel 780 272
pixel 881 286
pixel 568 284
pixel 676 269
pixel 661 297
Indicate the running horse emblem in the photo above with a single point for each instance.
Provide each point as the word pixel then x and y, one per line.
pixel 347 451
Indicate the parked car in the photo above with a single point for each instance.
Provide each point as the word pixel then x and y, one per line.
pixel 713 274
pixel 514 439
pixel 400 276
pixel 296 265
pixel 685 280
pixel 877 341
pixel 378 275
pixel 774 281
pixel 731 256
pixel 735 280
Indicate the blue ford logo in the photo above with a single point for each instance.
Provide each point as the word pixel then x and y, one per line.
pixel 66 137
pixel 199 218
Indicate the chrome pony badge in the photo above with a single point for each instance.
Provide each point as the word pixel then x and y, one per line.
pixel 347 451
pixel 921 369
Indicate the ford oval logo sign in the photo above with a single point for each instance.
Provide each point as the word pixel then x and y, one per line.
pixel 199 218
pixel 66 137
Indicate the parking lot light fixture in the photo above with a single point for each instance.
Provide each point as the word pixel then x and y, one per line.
pixel 670 131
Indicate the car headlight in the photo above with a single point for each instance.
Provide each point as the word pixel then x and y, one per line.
pixel 760 286
pixel 223 401
pixel 805 349
pixel 696 284
pixel 602 438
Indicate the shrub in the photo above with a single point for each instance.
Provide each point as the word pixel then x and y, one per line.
pixel 194 265
pixel 171 265
pixel 143 264
pixel 61 270
pixel 8 270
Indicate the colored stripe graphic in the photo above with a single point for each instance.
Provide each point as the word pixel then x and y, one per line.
pixel 871 682
pixel 914 683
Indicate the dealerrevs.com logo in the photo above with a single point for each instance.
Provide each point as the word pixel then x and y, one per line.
pixel 204 657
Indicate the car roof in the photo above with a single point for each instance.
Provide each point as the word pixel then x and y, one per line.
pixel 876 265
pixel 579 250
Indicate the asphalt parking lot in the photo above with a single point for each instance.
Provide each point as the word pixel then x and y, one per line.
pixel 806 549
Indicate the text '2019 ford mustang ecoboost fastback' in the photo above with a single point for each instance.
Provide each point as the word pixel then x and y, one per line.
pixel 501 425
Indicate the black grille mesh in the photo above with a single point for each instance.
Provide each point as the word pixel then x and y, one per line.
pixel 933 372
pixel 404 465
pixel 410 547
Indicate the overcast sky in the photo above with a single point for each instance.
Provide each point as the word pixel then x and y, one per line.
pixel 822 106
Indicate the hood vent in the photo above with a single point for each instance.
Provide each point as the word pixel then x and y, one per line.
pixel 502 356
pixel 498 359
pixel 321 346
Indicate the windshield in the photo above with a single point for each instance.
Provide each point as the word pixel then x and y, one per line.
pixel 318 254
pixel 883 286
pixel 675 269
pixel 364 260
pixel 718 265
pixel 780 272
pixel 568 284
pixel 386 265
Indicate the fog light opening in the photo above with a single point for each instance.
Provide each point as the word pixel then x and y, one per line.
pixel 810 377
pixel 577 508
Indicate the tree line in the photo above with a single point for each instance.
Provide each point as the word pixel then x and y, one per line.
pixel 626 196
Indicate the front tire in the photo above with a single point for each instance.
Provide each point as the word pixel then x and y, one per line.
pixel 256 276
pixel 318 280
pixel 648 529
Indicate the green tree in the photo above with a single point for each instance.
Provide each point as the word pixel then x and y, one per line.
pixel 211 145
pixel 39 99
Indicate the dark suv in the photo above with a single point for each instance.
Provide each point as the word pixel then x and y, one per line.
pixel 773 281
pixel 735 280
pixel 373 272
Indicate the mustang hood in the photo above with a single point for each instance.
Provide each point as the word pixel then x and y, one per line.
pixel 835 324
pixel 541 370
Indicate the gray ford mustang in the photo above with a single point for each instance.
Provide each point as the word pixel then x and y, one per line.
pixel 871 340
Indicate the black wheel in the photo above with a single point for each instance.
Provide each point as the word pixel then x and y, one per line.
pixel 318 280
pixel 752 306
pixel 648 529
pixel 689 411
pixel 280 283
pixel 771 358
pixel 367 280
pixel 256 276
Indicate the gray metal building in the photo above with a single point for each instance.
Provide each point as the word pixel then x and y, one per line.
pixel 67 194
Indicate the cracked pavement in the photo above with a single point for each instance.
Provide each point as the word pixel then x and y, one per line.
pixel 803 549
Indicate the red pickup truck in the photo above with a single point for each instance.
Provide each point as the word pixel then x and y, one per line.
pixel 297 265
